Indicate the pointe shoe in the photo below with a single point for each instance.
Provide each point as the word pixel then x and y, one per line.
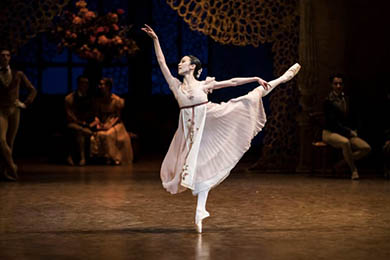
pixel 198 226
pixel 291 72
pixel 200 215
pixel 355 175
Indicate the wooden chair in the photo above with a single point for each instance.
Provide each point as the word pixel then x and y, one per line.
pixel 323 155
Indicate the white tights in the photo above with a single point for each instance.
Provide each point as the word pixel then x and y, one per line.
pixel 201 211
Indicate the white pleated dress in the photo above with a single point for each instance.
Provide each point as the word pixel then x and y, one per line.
pixel 211 138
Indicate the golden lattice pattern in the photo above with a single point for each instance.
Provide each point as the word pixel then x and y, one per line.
pixel 253 22
pixel 21 20
pixel 238 22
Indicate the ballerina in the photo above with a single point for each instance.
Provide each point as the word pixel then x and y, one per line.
pixel 211 138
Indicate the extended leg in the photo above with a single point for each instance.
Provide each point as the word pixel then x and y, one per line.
pixel 287 76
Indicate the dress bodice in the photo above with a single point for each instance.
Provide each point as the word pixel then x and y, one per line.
pixel 191 95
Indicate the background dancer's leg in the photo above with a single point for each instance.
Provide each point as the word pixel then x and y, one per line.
pixel 5 149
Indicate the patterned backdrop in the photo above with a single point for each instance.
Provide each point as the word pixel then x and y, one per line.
pixel 21 20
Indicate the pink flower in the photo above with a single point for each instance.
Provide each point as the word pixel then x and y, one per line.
pixel 92 39
pixel 84 47
pixel 118 40
pixel 115 27
pixel 100 29
pixel 113 17
pixel 87 54
pixel 91 36
pixel 83 11
pixel 103 40
pixel 81 4
pixel 97 54
pixel 77 20
pixel 90 15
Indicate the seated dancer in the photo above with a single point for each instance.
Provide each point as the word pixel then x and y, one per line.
pixel 337 131
pixel 78 114
pixel 10 105
pixel 111 140
pixel 211 138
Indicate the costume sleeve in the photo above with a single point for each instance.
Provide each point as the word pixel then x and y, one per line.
pixel 208 85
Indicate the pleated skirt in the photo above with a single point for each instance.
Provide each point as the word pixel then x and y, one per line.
pixel 227 134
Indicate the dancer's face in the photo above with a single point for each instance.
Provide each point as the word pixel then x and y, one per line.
pixel 103 88
pixel 185 66
pixel 337 85
pixel 5 57
pixel 83 86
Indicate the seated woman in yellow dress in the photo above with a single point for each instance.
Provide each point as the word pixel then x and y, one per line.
pixel 111 140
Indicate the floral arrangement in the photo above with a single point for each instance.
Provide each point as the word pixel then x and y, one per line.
pixel 91 36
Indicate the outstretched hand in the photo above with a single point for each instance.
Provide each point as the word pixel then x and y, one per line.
pixel 149 31
pixel 264 83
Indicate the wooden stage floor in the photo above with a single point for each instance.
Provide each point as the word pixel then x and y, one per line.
pixel 117 212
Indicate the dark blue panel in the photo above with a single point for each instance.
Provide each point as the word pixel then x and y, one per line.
pixel 159 85
pixel 194 43
pixel 55 81
pixel 114 5
pixel 77 59
pixel 92 4
pixel 32 75
pixel 27 53
pixel 165 23
pixel 76 71
pixel 50 51
pixel 229 61
pixel 120 77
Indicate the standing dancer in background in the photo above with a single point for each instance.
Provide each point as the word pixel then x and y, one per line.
pixel 10 105
pixel 211 138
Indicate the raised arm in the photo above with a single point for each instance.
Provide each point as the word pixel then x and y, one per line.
pixel 172 81
pixel 238 81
